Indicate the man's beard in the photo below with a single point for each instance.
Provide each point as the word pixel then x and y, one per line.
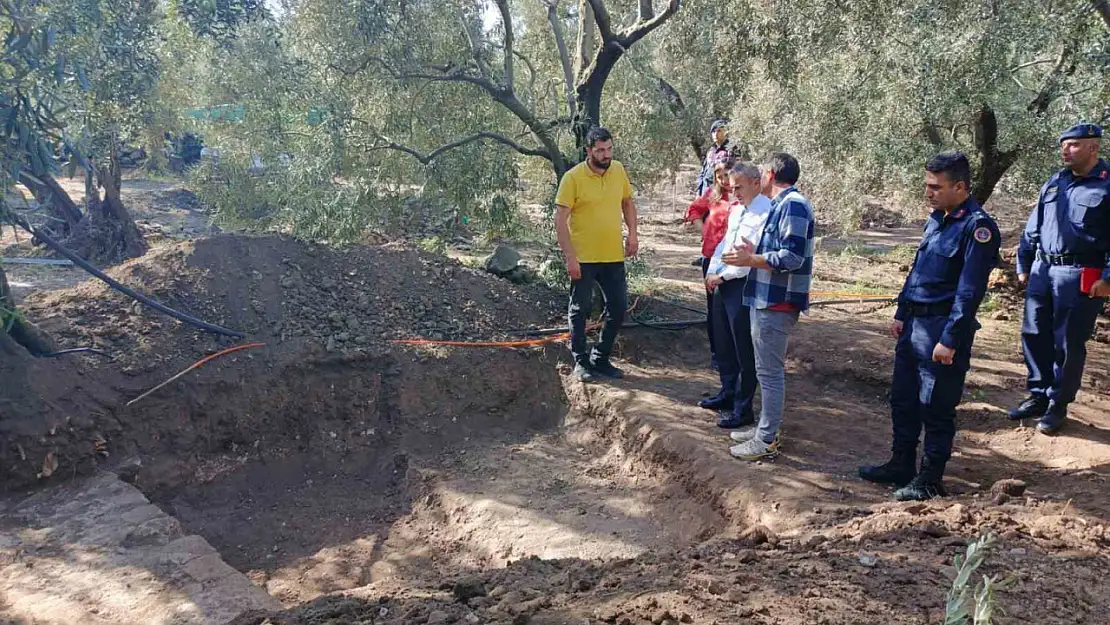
pixel 598 164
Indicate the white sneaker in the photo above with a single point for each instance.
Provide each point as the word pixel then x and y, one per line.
pixel 754 449
pixel 745 435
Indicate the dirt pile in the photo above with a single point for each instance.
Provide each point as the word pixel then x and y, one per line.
pixel 863 578
pixel 279 290
pixel 329 376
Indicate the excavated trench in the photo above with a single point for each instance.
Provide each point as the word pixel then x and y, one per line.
pixel 332 476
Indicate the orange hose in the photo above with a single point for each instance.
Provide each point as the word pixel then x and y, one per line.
pixel 524 343
pixel 198 364
pixel 847 294
pixel 528 343
pixel 566 335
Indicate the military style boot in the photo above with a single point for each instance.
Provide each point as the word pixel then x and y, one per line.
pixel 928 483
pixel 1053 419
pixel 899 470
pixel 1032 407
pixel 721 401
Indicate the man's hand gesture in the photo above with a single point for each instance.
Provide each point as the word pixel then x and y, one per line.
pixel 740 255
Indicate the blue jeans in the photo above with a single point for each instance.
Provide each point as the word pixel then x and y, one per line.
pixel 770 331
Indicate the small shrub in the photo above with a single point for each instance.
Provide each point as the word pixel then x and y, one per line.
pixel 433 245
pixel 967 604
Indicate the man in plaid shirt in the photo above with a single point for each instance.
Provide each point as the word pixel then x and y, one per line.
pixel 778 291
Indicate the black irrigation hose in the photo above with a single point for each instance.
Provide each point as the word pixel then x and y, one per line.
pixel 76 350
pixel 84 264
pixel 672 326
pixel 679 305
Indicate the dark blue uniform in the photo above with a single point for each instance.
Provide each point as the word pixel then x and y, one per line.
pixel 938 304
pixel 1068 231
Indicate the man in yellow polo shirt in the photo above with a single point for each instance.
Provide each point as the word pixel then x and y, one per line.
pixel 592 198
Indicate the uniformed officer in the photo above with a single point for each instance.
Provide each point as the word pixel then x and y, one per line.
pixel 1062 259
pixel 935 326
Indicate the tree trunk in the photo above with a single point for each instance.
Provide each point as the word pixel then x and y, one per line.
pixel 51 195
pixel 108 233
pixel 589 91
pixel 993 163
pixel 587 37
pixel 15 328
pixel 614 43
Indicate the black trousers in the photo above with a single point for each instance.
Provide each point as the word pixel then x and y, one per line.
pixel 924 394
pixel 614 290
pixel 709 315
pixel 735 353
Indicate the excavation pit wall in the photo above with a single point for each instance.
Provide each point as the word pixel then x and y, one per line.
pixel 448 466
pixel 322 476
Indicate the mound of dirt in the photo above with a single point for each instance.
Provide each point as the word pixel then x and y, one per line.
pixel 873 214
pixel 329 378
pixel 279 290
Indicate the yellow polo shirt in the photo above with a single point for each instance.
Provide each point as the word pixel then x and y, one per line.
pixel 595 211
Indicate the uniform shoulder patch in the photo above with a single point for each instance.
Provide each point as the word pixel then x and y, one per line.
pixel 983 234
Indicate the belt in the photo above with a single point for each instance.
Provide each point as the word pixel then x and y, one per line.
pixel 938 309
pixel 1072 260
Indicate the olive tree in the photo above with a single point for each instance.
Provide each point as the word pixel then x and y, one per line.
pixel 868 91
pixel 426 45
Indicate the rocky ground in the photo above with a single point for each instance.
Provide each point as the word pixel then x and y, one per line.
pixel 361 481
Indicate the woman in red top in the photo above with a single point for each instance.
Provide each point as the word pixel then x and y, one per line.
pixel 710 211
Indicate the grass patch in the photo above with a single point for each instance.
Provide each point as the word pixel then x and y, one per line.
pixel 990 304
pixel 902 254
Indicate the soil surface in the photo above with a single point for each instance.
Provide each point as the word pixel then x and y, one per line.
pixel 358 480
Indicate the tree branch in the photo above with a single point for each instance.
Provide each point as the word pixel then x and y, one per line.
pixel 1031 63
pixel 564 54
pixel 475 52
pixel 604 22
pixel 1050 87
pixel 531 75
pixel 587 38
pixel 426 159
pixel 501 94
pixel 450 73
pixel 643 27
pixel 507 23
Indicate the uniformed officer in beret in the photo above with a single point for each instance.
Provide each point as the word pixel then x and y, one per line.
pixel 935 326
pixel 1062 260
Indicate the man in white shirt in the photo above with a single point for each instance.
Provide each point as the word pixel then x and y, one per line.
pixel 732 334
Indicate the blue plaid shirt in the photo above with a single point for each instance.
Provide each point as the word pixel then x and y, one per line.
pixel 787 245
